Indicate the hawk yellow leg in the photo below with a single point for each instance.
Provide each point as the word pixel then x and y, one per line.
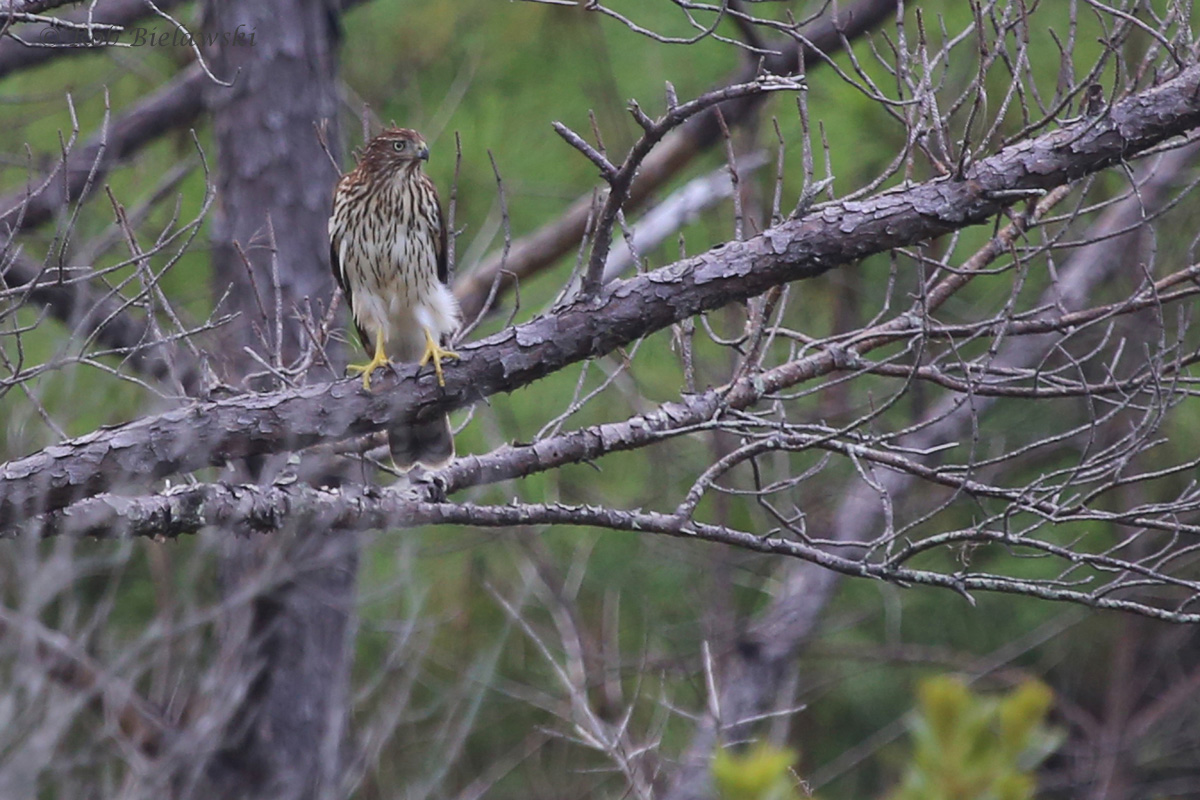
pixel 435 353
pixel 380 360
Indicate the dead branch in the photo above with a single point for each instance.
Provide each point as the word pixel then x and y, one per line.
pixel 295 506
pixel 534 252
pixel 107 319
pixel 173 106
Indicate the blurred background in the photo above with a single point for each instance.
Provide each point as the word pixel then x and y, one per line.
pixel 493 662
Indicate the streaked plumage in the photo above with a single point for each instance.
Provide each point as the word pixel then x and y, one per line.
pixel 388 250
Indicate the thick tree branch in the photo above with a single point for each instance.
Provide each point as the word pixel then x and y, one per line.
pixel 212 433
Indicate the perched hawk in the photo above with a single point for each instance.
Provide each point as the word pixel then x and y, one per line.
pixel 388 250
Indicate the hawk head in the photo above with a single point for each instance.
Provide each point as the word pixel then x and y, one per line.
pixel 394 150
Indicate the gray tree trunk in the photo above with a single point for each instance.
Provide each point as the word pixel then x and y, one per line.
pixel 289 645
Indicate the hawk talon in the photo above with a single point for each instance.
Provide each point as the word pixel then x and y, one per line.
pixel 435 352
pixel 379 360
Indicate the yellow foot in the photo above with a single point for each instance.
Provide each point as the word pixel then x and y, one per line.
pixel 379 360
pixel 435 353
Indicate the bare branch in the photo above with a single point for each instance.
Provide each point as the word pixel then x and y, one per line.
pixel 295 506
pixel 106 318
pixel 15 55
pixel 176 105
pixel 621 179
pixel 534 252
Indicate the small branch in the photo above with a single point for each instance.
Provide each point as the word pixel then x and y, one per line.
pixel 536 251
pixel 74 40
pixel 621 181
pixel 607 170
pixel 144 725
pixel 175 105
pixel 108 319
pixel 677 210
pixel 10 8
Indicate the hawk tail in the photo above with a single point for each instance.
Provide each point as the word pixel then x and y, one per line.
pixel 430 444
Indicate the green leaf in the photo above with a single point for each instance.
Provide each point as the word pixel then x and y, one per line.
pixel 762 773
pixel 1021 712
pixel 944 701
pixel 968 746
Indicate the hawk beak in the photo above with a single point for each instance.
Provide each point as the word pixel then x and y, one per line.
pixel 423 153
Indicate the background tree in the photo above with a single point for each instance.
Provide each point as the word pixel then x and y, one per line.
pixel 896 292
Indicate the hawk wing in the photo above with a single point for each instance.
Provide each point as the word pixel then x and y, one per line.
pixel 336 232
pixel 443 267
pixel 337 227
pixel 439 241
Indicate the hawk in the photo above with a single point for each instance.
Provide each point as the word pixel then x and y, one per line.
pixel 388 250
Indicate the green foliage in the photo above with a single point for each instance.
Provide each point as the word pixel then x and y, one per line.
pixel 968 746
pixel 762 773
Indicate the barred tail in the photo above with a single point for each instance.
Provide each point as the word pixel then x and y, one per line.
pixel 429 444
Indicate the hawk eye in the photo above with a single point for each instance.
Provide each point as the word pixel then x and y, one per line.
pixel 400 145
